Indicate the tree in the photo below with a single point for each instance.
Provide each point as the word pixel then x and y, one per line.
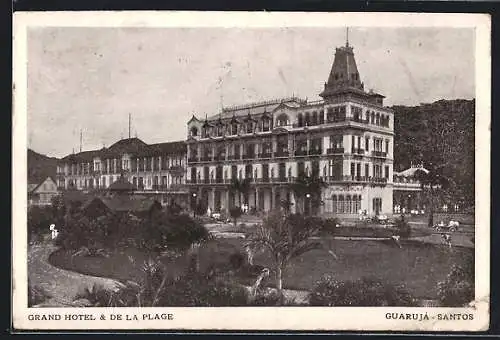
pixel 240 187
pixel 285 237
pixel 433 182
pixel 235 213
pixel 307 185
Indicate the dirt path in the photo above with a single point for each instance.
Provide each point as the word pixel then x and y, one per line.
pixel 61 284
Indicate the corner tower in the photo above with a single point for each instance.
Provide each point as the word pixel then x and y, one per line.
pixel 344 73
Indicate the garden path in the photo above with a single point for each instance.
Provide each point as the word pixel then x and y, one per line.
pixel 61 285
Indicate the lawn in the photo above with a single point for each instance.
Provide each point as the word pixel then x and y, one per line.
pixel 420 266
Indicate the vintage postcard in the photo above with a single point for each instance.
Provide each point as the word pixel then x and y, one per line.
pixel 251 171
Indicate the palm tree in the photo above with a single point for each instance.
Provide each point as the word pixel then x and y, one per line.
pixel 307 185
pixel 285 237
pixel 241 187
pixel 434 182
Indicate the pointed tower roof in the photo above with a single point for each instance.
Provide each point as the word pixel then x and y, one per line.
pixel 344 73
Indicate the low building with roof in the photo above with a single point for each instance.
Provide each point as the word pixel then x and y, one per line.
pixel 154 170
pixel 41 191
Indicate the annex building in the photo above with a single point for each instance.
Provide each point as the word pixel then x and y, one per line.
pixel 156 170
pixel 346 138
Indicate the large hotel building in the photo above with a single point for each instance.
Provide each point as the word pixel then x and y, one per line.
pixel 346 139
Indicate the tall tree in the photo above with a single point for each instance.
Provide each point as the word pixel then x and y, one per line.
pixel 285 237
pixel 307 185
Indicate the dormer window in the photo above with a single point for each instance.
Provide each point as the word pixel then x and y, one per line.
pixel 250 127
pixel 266 124
pixel 194 131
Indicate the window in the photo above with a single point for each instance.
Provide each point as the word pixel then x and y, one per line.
pixel 352 170
pixel 314 120
pixel 194 131
pixel 234 128
pixel 266 124
pixel 367 170
pixel 265 171
pixel 250 127
pixel 387 146
pixel 300 120
pixel 283 120
pixel 357 113
pixel 386 171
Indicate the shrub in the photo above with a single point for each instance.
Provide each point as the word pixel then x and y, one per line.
pixel 202 291
pixel 36 295
pixel 364 292
pixel 457 289
pixel 237 260
pixel 235 213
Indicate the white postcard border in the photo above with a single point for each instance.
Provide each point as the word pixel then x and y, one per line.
pixel 253 318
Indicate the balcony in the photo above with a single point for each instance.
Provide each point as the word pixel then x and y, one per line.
pixel 176 168
pixel 380 154
pixel 332 151
pixel 281 179
pixel 249 156
pixel 265 155
pixel 220 158
pixel 262 180
pixel 317 151
pixel 193 159
pixel 300 152
pixel 233 157
pixel 358 151
pixel 206 158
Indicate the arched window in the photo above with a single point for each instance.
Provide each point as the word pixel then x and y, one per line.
pixel 334 204
pixel 348 207
pixel 307 120
pixel 266 124
pixel 300 120
pixel 340 204
pixel 234 128
pixel 377 122
pixel 282 120
pixel 314 118
pixel 194 131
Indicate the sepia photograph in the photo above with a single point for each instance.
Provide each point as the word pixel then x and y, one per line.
pixel 327 162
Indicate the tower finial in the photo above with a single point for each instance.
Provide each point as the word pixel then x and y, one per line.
pixel 347 37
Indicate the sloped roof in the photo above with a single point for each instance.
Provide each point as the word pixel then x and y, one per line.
pixel 411 171
pixel 124 204
pixel 121 184
pixel 132 146
pixel 169 147
pixel 242 111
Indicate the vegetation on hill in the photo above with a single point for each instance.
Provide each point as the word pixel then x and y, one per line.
pixel 40 167
pixel 441 136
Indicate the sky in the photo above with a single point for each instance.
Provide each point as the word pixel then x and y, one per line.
pixel 91 79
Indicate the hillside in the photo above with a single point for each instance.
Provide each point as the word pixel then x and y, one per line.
pixel 40 167
pixel 441 135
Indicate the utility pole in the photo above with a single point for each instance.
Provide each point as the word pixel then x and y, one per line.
pixel 129 119
pixel 81 139
pixel 347 37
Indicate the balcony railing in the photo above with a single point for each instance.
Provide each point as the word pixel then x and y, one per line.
pixel 220 158
pixel 300 152
pixel 233 157
pixel 358 151
pixel 265 155
pixel 315 151
pixel 193 159
pixel 281 153
pixel 249 156
pixel 332 151
pixel 206 158
pixel 379 154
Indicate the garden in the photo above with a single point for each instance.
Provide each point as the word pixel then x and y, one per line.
pixel 173 260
